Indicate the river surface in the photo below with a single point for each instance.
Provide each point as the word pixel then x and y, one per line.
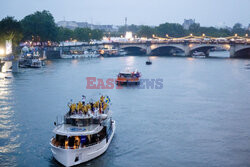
pixel 199 118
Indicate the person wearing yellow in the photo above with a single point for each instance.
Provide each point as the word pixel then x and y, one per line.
pixel 73 107
pixel 85 110
pixel 79 106
pixel 96 105
pixel 88 107
pixel 105 106
pixel 102 99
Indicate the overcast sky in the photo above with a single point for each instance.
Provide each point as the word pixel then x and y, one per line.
pixel 154 12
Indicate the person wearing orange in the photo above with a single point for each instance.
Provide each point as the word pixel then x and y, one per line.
pixel 66 144
pixel 77 142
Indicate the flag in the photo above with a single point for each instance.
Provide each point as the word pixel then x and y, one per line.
pixel 107 100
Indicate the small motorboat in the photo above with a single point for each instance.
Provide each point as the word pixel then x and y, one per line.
pixel 148 62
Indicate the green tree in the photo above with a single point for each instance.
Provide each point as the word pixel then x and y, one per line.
pixel 96 34
pixel 238 29
pixel 10 29
pixel 146 31
pixel 65 34
pixel 195 29
pixel 39 26
pixel 82 34
pixel 172 29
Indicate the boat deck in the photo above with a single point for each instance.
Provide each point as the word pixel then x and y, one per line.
pixel 69 130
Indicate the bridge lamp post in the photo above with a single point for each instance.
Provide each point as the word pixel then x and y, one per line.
pixel 203 35
pixel 153 35
pixel 235 35
pixel 191 35
pixel 246 35
pixel 167 35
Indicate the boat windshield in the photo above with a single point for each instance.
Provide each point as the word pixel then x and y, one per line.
pixel 123 75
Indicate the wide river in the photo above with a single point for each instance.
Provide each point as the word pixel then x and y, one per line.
pixel 199 118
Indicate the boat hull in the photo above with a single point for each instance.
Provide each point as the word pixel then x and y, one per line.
pixel 71 157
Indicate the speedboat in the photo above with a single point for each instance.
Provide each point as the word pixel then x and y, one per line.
pixel 84 134
pixel 128 76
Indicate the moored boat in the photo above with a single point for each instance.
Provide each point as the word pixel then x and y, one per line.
pixel 198 55
pixel 77 55
pixel 30 60
pixel 85 133
pixel 112 52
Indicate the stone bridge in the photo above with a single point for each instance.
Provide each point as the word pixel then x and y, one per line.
pixel 148 48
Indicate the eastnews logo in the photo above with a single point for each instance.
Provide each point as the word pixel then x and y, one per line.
pixel 110 83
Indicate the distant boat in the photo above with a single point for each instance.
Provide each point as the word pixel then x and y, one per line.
pixel 78 54
pixel 148 62
pixel 112 52
pixel 198 55
pixel 30 61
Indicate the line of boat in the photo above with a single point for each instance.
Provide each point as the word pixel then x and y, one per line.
pixel 80 54
pixel 104 52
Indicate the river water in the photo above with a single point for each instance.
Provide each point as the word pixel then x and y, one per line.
pixel 200 117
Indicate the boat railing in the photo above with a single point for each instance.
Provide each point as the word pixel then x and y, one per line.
pixel 58 144
pixel 59 120
pixel 86 120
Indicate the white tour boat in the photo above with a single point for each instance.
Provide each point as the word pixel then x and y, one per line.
pixel 85 134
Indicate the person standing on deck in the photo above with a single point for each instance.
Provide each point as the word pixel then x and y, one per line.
pixel 83 99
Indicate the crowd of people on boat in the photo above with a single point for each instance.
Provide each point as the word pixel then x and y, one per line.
pixel 84 108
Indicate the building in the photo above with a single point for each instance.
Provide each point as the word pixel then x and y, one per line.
pixel 73 24
pixel 187 23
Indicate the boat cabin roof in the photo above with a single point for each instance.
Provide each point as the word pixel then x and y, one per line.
pixel 129 71
pixel 69 130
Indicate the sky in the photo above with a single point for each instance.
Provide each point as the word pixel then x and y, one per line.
pixel 154 12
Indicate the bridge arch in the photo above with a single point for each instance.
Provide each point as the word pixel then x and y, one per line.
pixel 206 48
pixel 244 52
pixel 166 49
pixel 137 50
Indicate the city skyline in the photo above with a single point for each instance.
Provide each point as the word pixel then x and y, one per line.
pixel 138 12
